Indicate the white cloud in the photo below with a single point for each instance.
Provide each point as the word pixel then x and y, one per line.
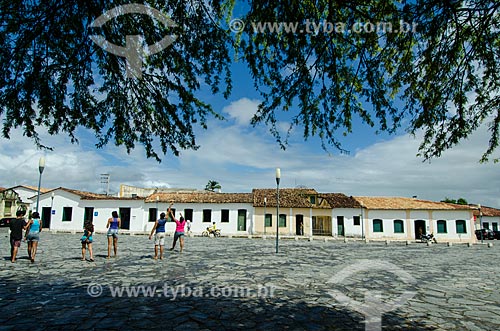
pixel 242 110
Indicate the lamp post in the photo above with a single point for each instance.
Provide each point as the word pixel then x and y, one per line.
pixel 41 166
pixel 157 199
pixel 480 222
pixel 265 204
pixel 278 176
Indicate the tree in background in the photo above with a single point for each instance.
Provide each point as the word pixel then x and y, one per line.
pixel 434 71
pixel 460 201
pixel 212 185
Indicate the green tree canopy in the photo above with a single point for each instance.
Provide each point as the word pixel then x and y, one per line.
pixel 212 185
pixel 460 201
pixel 440 78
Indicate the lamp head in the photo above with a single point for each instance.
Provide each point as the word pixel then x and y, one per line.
pixel 41 164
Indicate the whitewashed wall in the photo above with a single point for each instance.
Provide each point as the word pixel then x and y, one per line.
pixel 451 217
pixel 491 220
pixel 350 230
pixel 27 195
pixel 387 217
pixel 430 218
pixel 197 226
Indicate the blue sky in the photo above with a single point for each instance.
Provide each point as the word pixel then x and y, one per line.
pixel 241 157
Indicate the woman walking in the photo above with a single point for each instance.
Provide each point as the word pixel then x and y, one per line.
pixel 34 227
pixel 179 231
pixel 88 230
pixel 113 225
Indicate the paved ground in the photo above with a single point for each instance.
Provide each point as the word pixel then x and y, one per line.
pixel 230 283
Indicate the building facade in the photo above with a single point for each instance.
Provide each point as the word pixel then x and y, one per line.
pixel 301 212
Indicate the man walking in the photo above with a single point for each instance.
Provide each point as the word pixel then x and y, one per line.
pixel 16 234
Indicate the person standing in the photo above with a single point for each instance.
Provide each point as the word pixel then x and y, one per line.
pixel 88 230
pixel 113 225
pixel 34 227
pixel 159 230
pixel 16 234
pixel 179 231
pixel 188 223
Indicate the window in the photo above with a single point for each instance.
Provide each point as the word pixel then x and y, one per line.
pixel 378 225
pixel 357 220
pixel 442 226
pixel 486 225
pixel 153 215
pixel 398 226
pixel 312 199
pixel 268 220
pixel 282 221
pixel 224 216
pixel 461 226
pixel 8 208
pixel 67 211
pixel 207 215
pixel 188 214
pixel 495 226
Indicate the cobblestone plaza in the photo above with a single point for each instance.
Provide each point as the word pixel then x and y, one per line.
pixel 241 283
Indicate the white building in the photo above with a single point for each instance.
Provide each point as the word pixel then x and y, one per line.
pixel 407 219
pixel 302 212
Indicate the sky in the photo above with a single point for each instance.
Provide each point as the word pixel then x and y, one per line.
pixel 241 157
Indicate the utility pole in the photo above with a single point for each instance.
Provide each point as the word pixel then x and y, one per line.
pixel 105 180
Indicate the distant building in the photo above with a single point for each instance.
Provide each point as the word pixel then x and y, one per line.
pixel 17 198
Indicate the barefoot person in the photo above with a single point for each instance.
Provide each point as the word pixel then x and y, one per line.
pixel 88 230
pixel 16 234
pixel 113 225
pixel 34 227
pixel 179 231
pixel 159 230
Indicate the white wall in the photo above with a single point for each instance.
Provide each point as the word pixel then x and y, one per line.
pixel 26 194
pixel 490 220
pixel 350 230
pixel 409 218
pixel 197 226
pixel 387 217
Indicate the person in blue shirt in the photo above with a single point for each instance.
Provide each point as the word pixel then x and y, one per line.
pixel 159 231
pixel 34 227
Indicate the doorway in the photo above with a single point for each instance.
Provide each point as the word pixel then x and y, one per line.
pixel 125 217
pixel 419 229
pixel 299 225
pixel 242 220
pixel 340 226
pixel 46 215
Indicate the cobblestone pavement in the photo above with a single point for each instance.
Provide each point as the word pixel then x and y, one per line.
pixel 241 283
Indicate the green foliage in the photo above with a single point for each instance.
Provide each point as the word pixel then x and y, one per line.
pixel 445 73
pixel 460 201
pixel 212 185
pixel 54 78
pixel 441 79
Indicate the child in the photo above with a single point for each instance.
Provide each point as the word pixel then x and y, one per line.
pixel 88 230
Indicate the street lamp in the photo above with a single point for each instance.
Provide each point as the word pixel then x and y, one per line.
pixel 157 199
pixel 480 221
pixel 278 176
pixel 265 204
pixel 41 166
